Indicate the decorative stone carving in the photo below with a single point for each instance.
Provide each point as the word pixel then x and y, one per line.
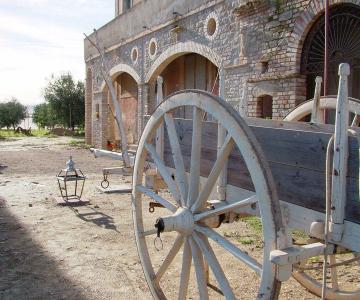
pixel 175 31
pixel 249 7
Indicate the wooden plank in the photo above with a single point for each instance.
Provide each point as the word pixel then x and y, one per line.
pixel 296 155
pixel 189 71
pixel 303 148
pixel 298 126
pixel 200 67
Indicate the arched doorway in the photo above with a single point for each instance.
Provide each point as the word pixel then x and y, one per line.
pixel 190 71
pixel 127 94
pixel 344 47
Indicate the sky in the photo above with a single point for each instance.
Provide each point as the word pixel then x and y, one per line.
pixel 39 38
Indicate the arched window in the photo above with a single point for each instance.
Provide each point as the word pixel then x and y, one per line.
pixel 264 107
pixel 343 47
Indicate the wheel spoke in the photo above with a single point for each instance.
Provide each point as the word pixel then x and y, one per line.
pixel 207 273
pixel 355 121
pixel 333 270
pixel 199 269
pixel 220 240
pixel 157 198
pixel 226 208
pixel 195 156
pixel 214 265
pixel 149 232
pixel 178 158
pixel 169 258
pixel 215 172
pixel 185 271
pixel 164 172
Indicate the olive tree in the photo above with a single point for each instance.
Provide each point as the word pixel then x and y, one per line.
pixel 11 113
pixel 66 99
pixel 44 116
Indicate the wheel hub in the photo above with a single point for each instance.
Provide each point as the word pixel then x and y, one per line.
pixel 181 221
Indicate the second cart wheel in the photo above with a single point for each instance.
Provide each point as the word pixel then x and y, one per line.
pixel 326 103
pixel 186 221
pixel 339 286
pixel 310 278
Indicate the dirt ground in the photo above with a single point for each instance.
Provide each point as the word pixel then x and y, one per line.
pixel 53 252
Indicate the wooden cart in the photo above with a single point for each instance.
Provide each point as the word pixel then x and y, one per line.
pixel 219 167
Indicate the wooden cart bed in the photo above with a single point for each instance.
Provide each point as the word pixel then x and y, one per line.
pixel 296 153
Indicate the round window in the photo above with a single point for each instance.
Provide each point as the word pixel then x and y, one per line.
pixel 152 48
pixel 211 26
pixel 134 54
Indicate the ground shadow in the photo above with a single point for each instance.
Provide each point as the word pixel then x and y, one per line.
pixel 27 270
pixel 2 167
pixel 90 214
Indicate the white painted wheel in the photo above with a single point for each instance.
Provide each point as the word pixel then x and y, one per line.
pixel 311 279
pixel 338 286
pixel 329 102
pixel 183 218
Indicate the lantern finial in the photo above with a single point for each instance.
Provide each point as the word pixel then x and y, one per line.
pixel 70 164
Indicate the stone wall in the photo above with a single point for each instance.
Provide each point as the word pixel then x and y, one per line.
pixel 88 106
pixel 257 48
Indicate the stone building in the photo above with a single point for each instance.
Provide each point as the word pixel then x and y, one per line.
pixel 266 53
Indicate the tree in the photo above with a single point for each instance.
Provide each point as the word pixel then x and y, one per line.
pixel 44 116
pixel 40 115
pixel 11 113
pixel 66 99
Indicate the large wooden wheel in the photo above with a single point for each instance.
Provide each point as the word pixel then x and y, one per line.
pixel 329 102
pixel 310 272
pixel 187 221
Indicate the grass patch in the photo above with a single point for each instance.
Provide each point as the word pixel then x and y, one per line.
pixel 254 238
pixel 300 237
pixel 79 144
pixel 254 223
pixel 4 133
pixel 315 259
pixel 250 240
pixel 41 133
pixel 79 133
pixel 246 240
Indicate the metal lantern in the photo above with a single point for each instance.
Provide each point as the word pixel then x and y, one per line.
pixel 71 182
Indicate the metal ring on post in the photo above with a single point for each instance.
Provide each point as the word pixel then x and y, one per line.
pixel 105 183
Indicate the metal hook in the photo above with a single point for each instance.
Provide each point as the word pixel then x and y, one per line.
pixel 158 238
pixel 159 225
pixel 105 183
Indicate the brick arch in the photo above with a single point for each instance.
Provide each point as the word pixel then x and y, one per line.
pixel 177 50
pixel 304 23
pixel 122 68
pixel 265 88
